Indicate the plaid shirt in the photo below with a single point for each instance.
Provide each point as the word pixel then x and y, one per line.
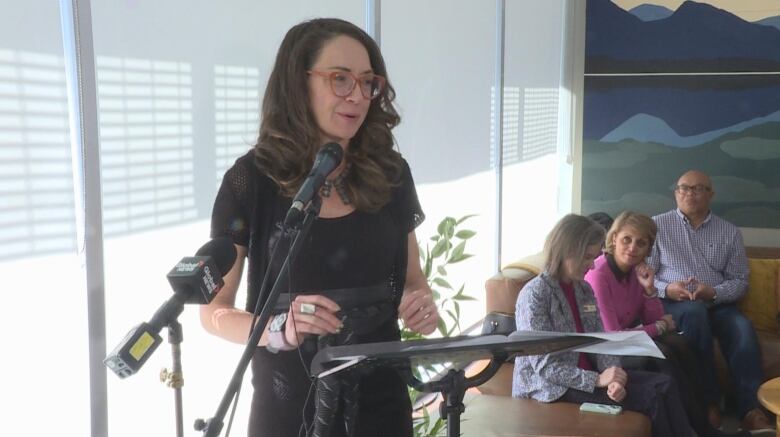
pixel 713 254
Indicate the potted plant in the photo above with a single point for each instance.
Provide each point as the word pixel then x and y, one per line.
pixel 448 248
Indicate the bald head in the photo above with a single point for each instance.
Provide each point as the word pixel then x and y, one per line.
pixel 693 194
pixel 696 175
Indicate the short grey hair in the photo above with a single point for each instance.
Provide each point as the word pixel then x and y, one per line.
pixel 570 238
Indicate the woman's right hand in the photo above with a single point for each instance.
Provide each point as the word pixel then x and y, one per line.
pixel 616 391
pixel 610 375
pixel 646 278
pixel 322 320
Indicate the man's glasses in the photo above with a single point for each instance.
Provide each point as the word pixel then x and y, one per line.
pixel 698 189
pixel 343 82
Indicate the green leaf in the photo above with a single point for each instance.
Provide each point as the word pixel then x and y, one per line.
pixel 437 427
pixel 451 331
pixel 446 227
pixel 458 251
pixel 452 315
pixel 465 234
pixel 449 227
pixel 442 328
pixel 436 295
pixel 460 258
pixel 463 298
pixel 442 271
pixel 435 238
pixel 442 226
pixel 460 290
pixel 428 267
pixel 466 217
pixel 439 248
pixel 442 283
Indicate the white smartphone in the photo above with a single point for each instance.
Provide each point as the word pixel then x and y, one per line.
pixel 600 408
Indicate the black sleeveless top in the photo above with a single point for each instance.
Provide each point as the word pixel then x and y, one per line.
pixel 357 250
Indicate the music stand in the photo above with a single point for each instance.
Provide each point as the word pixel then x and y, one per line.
pixel 453 386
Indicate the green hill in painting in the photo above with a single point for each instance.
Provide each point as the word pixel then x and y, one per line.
pixel 639 176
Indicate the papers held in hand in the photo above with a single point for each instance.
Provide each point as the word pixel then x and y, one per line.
pixel 465 349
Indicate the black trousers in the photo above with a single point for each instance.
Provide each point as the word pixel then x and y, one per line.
pixel 682 365
pixel 652 394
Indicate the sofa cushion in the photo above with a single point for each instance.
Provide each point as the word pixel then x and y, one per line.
pixel 760 302
pixel 502 294
pixel 503 288
pixel 525 268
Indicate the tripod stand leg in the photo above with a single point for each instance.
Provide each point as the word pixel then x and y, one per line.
pixel 175 378
pixel 452 406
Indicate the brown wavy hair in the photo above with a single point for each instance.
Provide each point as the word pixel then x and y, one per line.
pixel 289 135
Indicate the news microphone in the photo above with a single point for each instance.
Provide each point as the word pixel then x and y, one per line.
pixel 199 277
pixel 196 279
pixel 327 159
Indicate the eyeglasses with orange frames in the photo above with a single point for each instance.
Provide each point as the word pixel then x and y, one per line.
pixel 342 83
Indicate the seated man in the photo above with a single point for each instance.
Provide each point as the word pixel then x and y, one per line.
pixel 701 272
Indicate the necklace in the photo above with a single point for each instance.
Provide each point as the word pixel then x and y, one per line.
pixel 338 184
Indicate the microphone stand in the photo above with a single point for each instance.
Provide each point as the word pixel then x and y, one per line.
pixel 175 378
pixel 213 426
pixel 453 388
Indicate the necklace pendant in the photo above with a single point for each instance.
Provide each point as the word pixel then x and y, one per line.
pixel 338 184
pixel 325 190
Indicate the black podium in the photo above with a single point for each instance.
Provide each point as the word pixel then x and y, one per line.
pixel 404 355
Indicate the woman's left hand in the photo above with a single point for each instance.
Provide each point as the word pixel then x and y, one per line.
pixel 669 320
pixel 616 391
pixel 418 310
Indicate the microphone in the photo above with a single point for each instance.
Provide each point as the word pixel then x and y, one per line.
pixel 327 159
pixel 199 277
pixel 196 279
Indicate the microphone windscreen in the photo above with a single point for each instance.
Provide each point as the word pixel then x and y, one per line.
pixel 335 150
pixel 222 251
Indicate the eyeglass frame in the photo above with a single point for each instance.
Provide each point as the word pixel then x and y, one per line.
pixel 692 189
pixel 331 74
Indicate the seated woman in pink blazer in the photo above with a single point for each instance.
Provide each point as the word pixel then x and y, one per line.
pixel 628 300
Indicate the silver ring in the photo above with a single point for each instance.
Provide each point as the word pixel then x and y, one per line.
pixel 308 308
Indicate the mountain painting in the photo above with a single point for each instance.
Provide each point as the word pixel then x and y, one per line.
pixel 672 86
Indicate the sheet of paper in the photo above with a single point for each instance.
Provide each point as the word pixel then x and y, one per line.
pixel 623 343
pixel 617 343
pixel 348 362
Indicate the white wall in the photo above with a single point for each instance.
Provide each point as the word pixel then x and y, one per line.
pixel 440 60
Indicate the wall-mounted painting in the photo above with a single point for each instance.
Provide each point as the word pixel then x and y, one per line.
pixel 672 86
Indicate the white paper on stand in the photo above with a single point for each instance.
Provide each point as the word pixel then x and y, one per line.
pixel 624 343
pixel 617 343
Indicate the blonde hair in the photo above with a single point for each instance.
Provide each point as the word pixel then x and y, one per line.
pixel 570 238
pixel 642 223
